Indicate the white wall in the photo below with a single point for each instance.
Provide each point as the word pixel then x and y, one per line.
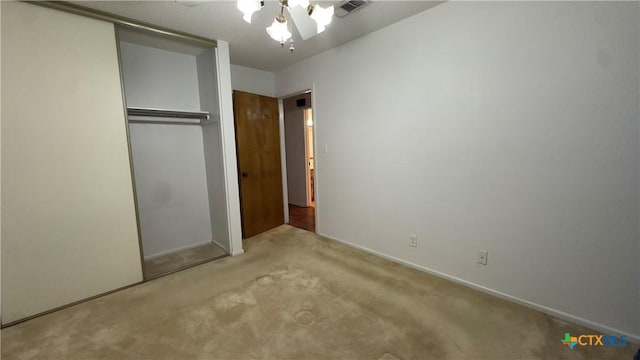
pixel 171 186
pixel 158 78
pixel 253 80
pixel 294 133
pixel 227 129
pixel 68 219
pixel 168 160
pixel 0 188
pixel 294 128
pixel 510 127
pixel 213 155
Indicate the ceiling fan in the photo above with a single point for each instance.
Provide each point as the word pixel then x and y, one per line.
pixel 309 19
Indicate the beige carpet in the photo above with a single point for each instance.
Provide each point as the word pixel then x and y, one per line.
pixel 181 259
pixel 294 295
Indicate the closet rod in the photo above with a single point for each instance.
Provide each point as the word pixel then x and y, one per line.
pixel 124 21
pixel 176 114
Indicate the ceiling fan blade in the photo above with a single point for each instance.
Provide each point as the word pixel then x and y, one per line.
pixel 306 26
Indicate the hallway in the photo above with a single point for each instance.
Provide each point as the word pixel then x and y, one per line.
pixel 303 218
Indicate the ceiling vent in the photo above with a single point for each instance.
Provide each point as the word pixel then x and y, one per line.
pixel 349 6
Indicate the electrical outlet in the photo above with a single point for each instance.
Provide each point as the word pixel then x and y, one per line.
pixel 482 257
pixel 413 240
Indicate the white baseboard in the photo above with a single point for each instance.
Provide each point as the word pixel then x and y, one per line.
pixel 150 257
pixel 238 252
pixel 225 248
pixel 633 338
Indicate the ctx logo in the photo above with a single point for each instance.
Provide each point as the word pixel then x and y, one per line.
pixel 593 340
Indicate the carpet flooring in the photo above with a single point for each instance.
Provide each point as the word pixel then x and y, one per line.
pixel 181 259
pixel 295 295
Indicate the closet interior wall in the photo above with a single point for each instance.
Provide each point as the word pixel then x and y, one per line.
pixel 212 142
pixel 178 167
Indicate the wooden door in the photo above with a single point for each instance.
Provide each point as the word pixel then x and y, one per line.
pixel 259 167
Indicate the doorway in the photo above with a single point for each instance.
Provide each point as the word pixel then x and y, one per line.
pixel 300 161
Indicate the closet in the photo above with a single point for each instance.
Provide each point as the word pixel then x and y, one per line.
pixel 68 218
pixel 176 147
pixel 117 155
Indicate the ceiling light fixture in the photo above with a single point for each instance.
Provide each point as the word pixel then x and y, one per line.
pixel 248 7
pixel 280 30
pixel 321 16
pixel 303 3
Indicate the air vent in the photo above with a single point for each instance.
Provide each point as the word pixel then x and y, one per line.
pixel 350 6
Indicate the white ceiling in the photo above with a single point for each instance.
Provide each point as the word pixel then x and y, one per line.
pixel 249 43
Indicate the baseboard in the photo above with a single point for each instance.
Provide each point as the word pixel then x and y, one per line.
pixel 225 248
pixel 299 204
pixel 238 252
pixel 633 338
pixel 151 257
pixel 62 307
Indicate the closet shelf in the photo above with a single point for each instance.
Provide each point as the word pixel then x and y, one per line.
pixel 165 113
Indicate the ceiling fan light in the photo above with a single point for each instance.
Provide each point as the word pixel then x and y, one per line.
pixel 303 3
pixel 321 16
pixel 278 31
pixel 248 7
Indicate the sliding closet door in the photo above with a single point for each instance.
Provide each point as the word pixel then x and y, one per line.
pixel 68 221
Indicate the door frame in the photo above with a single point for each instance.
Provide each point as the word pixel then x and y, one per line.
pixel 228 134
pixel 307 167
pixel 283 154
